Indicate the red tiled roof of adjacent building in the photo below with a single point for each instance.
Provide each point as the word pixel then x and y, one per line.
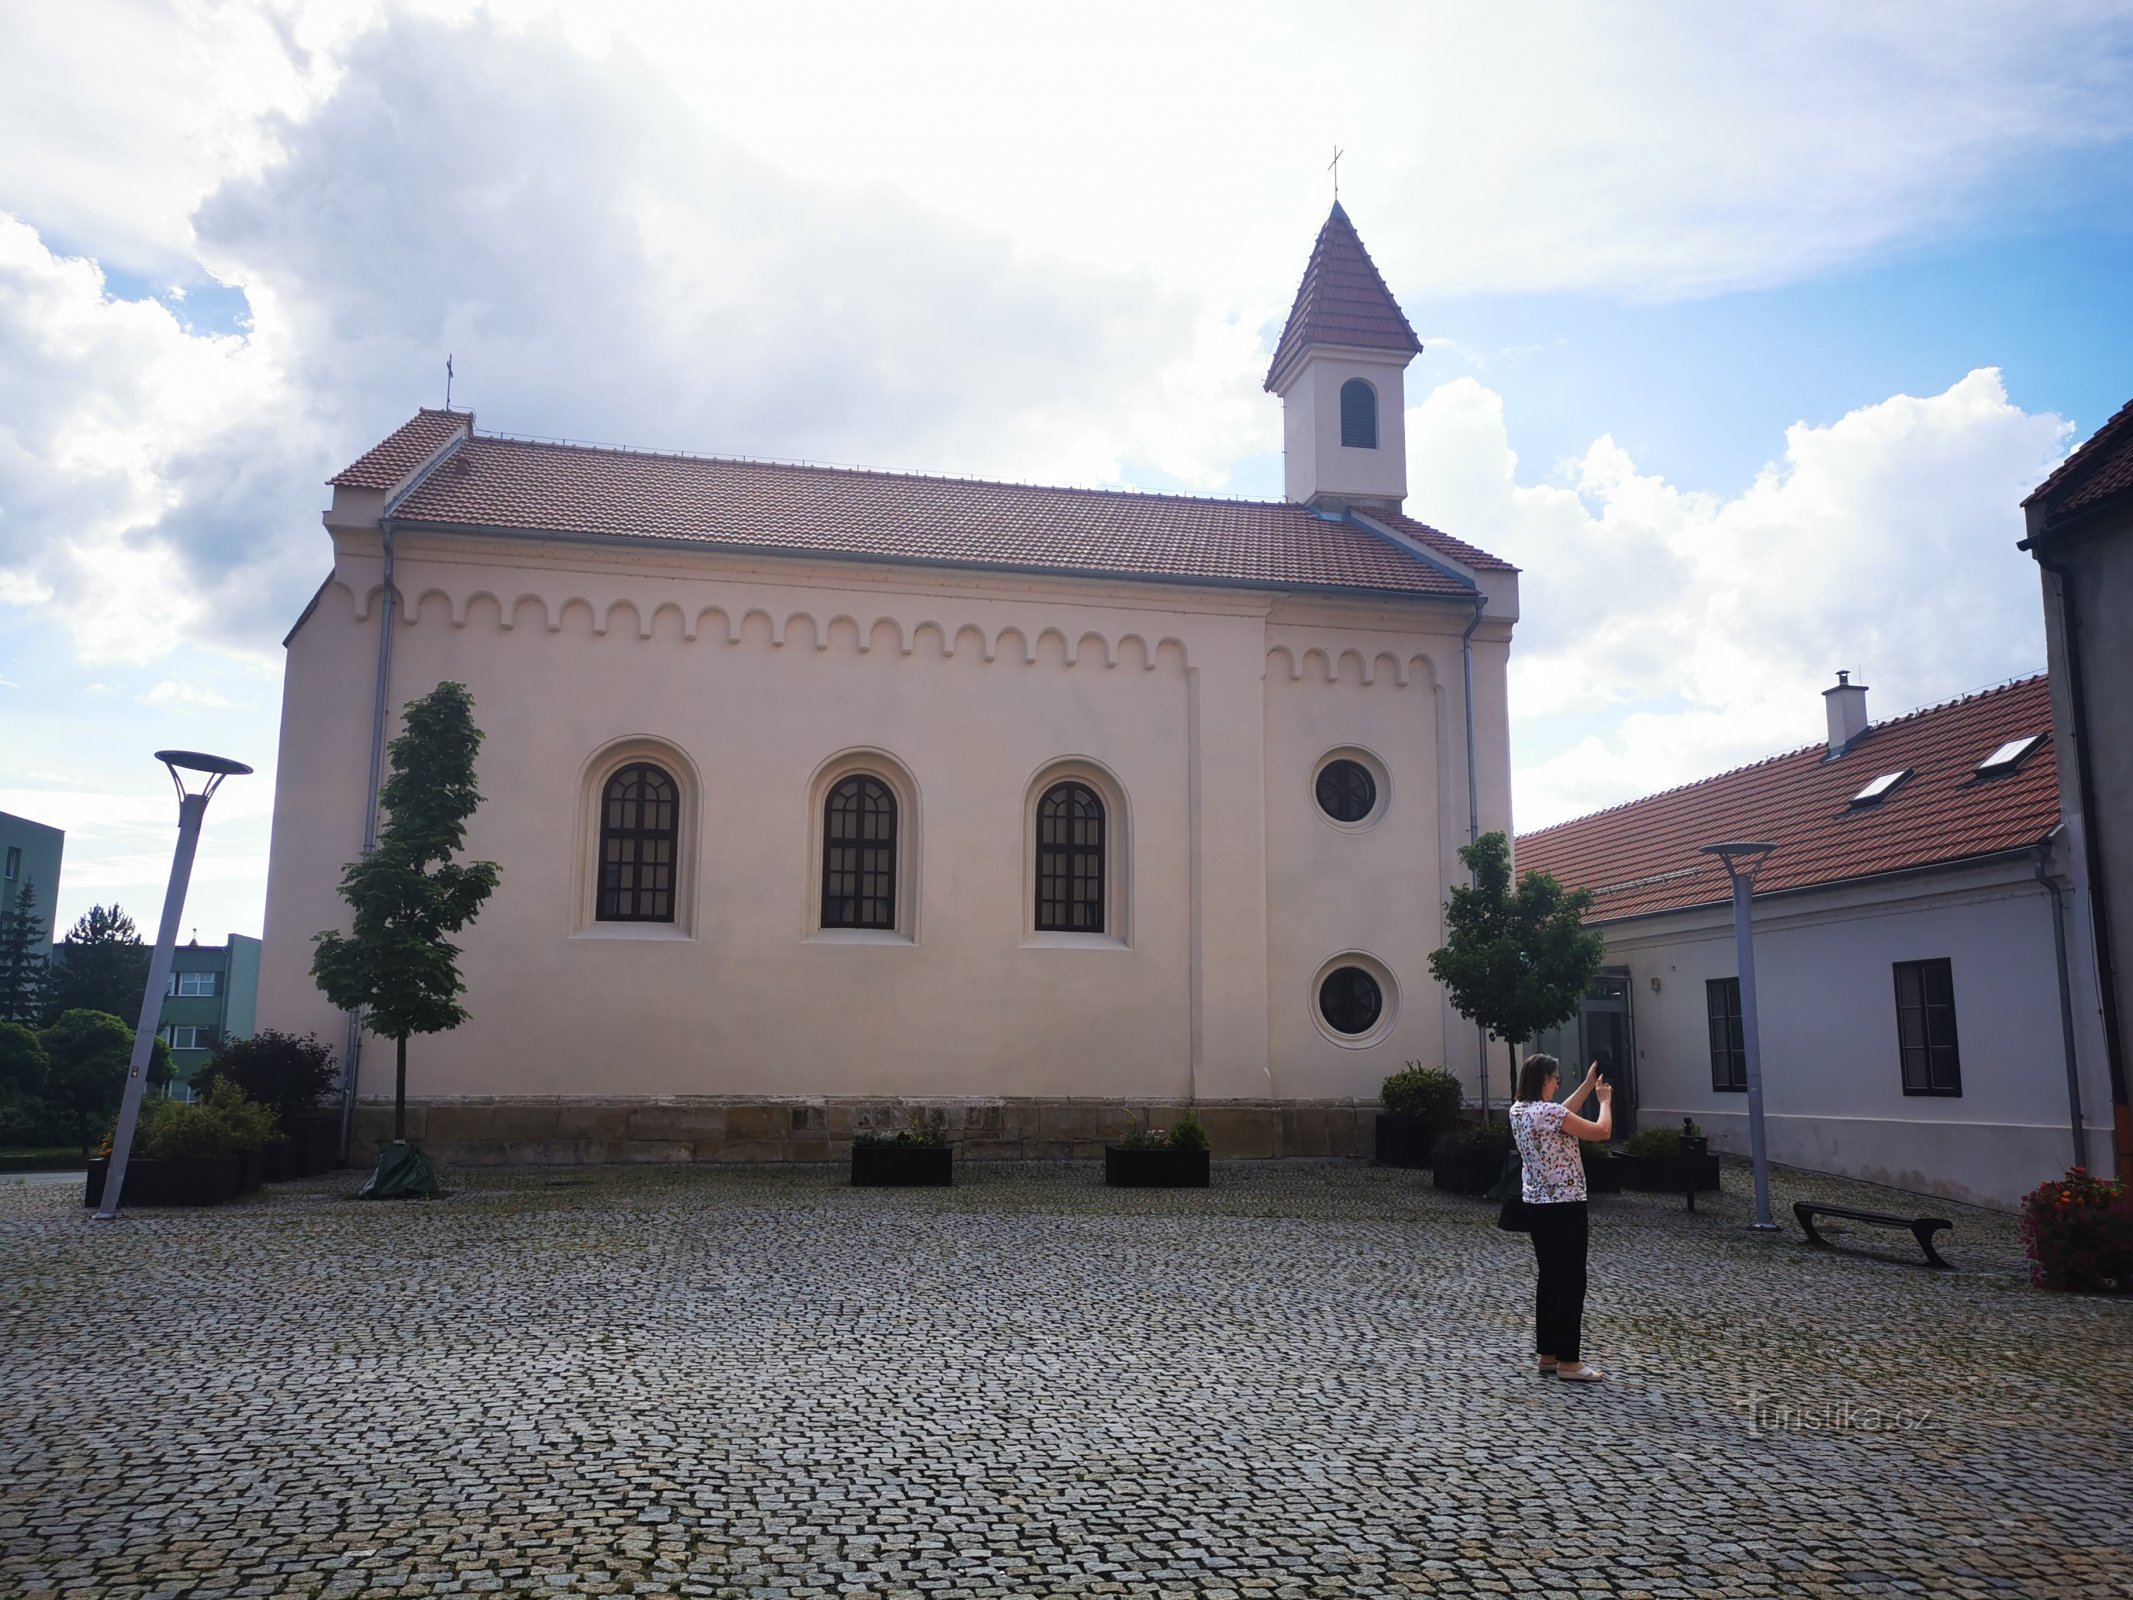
pixel 386 464
pixel 529 486
pixel 1645 856
pixel 2102 469
pixel 1342 300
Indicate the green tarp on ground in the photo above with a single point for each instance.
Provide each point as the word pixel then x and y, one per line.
pixel 404 1173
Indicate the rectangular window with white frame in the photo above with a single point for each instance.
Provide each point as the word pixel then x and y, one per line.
pixel 1729 1044
pixel 1925 1027
pixel 183 1036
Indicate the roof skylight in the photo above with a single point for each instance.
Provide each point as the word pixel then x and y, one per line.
pixel 2008 756
pixel 1880 787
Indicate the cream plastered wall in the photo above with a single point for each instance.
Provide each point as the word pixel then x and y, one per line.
pixel 1315 462
pixel 751 680
pixel 1832 1081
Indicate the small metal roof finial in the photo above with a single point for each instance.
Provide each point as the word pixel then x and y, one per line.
pixel 1334 167
pixel 447 382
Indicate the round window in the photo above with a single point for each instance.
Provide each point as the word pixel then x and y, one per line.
pixel 1346 791
pixel 1350 1000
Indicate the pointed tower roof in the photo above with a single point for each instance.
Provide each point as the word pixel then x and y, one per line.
pixel 1341 300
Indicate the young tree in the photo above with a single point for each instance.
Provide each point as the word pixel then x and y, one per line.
pixel 1518 960
pixel 86 1054
pixel 101 966
pixel 22 962
pixel 407 892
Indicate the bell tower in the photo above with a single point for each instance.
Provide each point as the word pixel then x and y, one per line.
pixel 1340 370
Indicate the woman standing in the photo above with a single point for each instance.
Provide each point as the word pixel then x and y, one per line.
pixel 1554 1191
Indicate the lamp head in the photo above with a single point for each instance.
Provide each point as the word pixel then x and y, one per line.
pixel 1741 856
pixel 215 767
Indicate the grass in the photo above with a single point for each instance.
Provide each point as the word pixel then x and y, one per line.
pixel 41 1158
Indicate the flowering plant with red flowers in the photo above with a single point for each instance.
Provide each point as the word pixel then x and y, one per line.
pixel 2078 1231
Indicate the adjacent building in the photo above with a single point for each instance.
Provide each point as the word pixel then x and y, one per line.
pixel 2081 534
pixel 213 994
pixel 30 855
pixel 1928 1004
pixel 818 790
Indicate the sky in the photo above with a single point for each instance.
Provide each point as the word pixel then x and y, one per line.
pixel 1747 329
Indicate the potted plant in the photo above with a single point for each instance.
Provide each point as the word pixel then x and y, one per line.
pixel 1654 1162
pixel 913 1157
pixel 1469 1160
pixel 1175 1157
pixel 293 1076
pixel 1603 1173
pixel 1420 1103
pixel 191 1153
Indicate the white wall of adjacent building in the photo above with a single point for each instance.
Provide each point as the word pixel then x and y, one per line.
pixel 1833 1083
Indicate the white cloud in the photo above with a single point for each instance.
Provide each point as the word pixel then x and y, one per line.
pixel 1691 633
pixel 172 693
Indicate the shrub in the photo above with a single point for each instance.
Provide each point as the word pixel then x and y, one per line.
pixel 1430 1093
pixel 1655 1142
pixel 220 1124
pixel 1183 1134
pixel 918 1131
pixel 2078 1231
pixel 276 1069
pixel 1486 1138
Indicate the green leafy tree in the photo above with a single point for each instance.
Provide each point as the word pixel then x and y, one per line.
pixel 1517 961
pixel 101 966
pixel 280 1070
pixel 22 1072
pixel 22 961
pixel 397 965
pixel 86 1054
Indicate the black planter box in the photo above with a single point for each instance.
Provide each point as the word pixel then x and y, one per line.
pixel 903 1166
pixel 280 1161
pixel 1464 1171
pixel 1405 1141
pixel 1669 1174
pixel 1603 1175
pixel 1154 1169
pixel 195 1181
pixel 317 1138
pixel 251 1169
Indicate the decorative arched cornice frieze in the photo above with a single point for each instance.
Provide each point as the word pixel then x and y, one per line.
pixel 1349 665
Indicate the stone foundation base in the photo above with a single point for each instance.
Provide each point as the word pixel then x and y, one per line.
pixel 553 1131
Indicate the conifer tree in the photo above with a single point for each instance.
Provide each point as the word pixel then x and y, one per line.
pixel 101 966
pixel 396 964
pixel 22 963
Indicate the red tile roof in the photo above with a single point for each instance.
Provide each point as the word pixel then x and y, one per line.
pixel 2100 470
pixel 524 485
pixel 1341 300
pixel 386 464
pixel 1644 856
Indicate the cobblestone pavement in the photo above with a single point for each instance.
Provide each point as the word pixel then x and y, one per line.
pixel 1309 1380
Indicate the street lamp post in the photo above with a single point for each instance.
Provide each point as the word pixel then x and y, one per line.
pixel 1742 860
pixel 192 809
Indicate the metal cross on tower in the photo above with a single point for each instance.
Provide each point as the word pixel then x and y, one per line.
pixel 1334 167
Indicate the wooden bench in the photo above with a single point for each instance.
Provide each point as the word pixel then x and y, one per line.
pixel 1922 1228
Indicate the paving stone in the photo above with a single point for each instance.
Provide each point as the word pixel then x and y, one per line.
pixel 1309 1380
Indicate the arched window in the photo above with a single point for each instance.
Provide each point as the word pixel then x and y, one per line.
pixel 1070 860
pixel 859 854
pixel 639 834
pixel 1359 415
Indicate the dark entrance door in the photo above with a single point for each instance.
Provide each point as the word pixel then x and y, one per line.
pixel 1605 1036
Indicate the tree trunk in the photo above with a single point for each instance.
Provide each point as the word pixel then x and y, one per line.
pixel 400 1090
pixel 1511 1049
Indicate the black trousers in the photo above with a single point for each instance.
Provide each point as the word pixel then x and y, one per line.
pixel 1559 1303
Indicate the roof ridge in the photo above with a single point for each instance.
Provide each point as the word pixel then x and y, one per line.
pixel 850 470
pixel 2085 455
pixel 1786 755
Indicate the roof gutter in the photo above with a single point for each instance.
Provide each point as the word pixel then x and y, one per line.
pixel 2046 877
pixel 2091 850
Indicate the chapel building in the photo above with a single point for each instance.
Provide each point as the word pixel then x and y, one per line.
pixel 822 795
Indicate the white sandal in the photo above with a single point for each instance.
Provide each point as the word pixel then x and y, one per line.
pixel 1582 1375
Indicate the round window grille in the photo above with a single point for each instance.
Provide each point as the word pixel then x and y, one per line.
pixel 1350 1000
pixel 1346 791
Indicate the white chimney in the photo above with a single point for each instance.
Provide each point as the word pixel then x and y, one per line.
pixel 1846 704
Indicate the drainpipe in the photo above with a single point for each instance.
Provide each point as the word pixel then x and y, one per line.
pixel 1473 809
pixel 352 1051
pixel 2092 853
pixel 2066 1003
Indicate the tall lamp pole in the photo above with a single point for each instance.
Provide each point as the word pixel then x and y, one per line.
pixel 192 810
pixel 1742 861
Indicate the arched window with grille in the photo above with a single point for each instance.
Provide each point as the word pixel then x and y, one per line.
pixel 1070 860
pixel 1359 415
pixel 859 854
pixel 639 844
